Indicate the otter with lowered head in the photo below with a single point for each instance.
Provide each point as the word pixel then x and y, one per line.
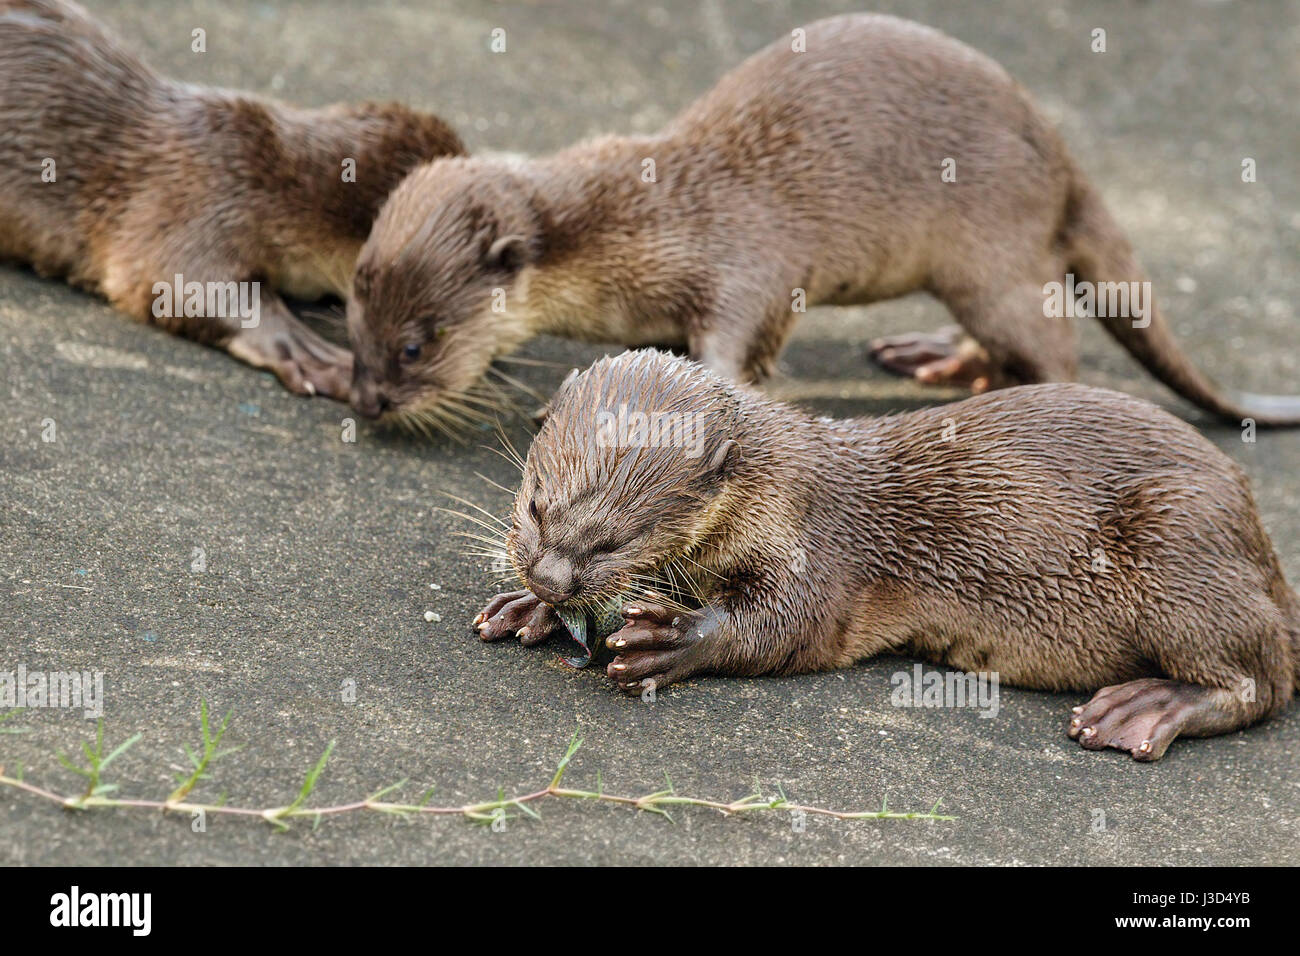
pixel 813 172
pixel 121 180
pixel 1065 537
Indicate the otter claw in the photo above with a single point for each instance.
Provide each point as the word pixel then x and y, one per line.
pixel 650 651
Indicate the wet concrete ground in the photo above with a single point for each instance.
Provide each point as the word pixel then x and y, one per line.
pixel 320 554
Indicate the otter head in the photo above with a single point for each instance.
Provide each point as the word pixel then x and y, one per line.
pixel 437 293
pixel 629 473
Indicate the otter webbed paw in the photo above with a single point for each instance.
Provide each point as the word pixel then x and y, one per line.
pixel 947 357
pixel 656 646
pixel 304 362
pixel 519 613
pixel 1142 716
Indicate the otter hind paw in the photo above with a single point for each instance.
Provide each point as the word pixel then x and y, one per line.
pixel 946 358
pixel 1141 717
pixel 304 362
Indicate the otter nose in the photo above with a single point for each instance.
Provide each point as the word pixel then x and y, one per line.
pixel 551 578
pixel 368 399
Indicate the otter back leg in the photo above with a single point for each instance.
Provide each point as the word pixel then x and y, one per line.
pixel 1010 339
pixel 1024 346
pixel 1144 716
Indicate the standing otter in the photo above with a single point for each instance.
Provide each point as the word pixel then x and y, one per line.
pixel 814 176
pixel 1062 536
pixel 122 181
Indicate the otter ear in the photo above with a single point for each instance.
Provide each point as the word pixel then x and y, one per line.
pixel 725 459
pixel 508 254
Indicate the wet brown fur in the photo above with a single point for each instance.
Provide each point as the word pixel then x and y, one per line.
pixel 156 177
pixel 817 171
pixel 967 534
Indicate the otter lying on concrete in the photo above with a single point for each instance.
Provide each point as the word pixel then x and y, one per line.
pixel 1065 537
pixel 875 158
pixel 172 200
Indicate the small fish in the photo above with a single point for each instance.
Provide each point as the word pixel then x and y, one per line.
pixel 589 626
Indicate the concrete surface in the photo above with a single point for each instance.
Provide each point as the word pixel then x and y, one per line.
pixel 320 553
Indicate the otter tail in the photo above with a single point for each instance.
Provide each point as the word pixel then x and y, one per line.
pixel 1099 253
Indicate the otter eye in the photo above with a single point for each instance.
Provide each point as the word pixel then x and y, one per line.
pixel 603 549
pixel 532 509
pixel 411 351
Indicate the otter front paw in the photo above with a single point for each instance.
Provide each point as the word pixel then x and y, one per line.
pixel 657 646
pixel 519 613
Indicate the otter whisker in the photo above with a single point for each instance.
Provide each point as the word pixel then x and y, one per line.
pixel 692 585
pixel 482 511
pixel 497 451
pixel 495 538
pixel 518 360
pixel 494 484
pixel 667 594
pixel 420 426
pixel 709 571
pixel 487 395
pixel 494 560
pixel 510 446
pixel 511 380
pixel 480 538
pixel 481 553
pixel 426 422
pixel 461 418
pixel 499 533
pixel 669 569
pixel 494 568
pixel 332 315
pixel 450 417
pixel 460 405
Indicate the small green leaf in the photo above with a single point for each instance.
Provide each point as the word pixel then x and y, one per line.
pixel 120 749
pixel 309 784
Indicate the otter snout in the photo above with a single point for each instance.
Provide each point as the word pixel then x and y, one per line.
pixel 552 578
pixel 368 398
